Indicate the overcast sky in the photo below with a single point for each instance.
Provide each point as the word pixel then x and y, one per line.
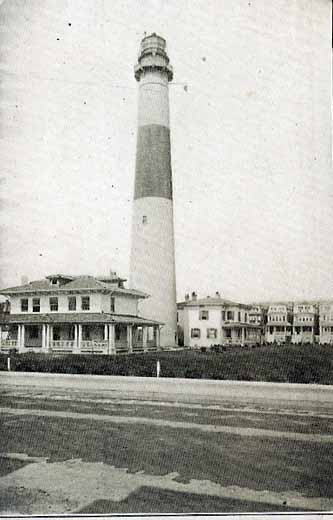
pixel 251 141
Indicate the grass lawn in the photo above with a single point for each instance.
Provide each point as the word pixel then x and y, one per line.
pixel 288 363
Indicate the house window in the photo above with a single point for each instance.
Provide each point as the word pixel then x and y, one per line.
pixel 33 332
pixel 54 303
pixel 85 303
pixel 239 316
pixel 223 315
pixel 24 305
pixel 195 333
pixel 72 303
pixel 144 219
pixel 211 333
pixel 227 333
pixel 36 305
pixel 203 315
pixel 112 304
pixel 230 315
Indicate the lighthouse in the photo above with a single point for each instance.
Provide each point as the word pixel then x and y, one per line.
pixel 152 262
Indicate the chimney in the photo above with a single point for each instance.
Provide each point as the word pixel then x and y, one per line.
pixel 194 296
pixel 24 280
pixel 217 294
pixel 187 297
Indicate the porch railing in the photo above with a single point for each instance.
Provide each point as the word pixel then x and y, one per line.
pixel 67 345
pixel 93 346
pixel 7 344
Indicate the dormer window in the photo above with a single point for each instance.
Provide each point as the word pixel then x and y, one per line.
pixel 54 281
pixel 144 219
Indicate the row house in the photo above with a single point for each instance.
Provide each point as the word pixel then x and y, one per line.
pixel 305 323
pixel 279 323
pixel 214 320
pixel 77 314
pixel 326 323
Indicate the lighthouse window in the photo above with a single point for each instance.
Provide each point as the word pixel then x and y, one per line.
pixel 144 219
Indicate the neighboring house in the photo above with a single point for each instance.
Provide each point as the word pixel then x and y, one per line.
pixel 304 323
pixel 326 322
pixel 77 314
pixel 279 323
pixel 214 320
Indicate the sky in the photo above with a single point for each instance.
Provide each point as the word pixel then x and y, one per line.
pixel 251 141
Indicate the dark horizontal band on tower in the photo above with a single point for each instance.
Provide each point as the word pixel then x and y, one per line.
pixel 153 177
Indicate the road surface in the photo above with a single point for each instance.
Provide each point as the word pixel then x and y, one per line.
pixel 100 444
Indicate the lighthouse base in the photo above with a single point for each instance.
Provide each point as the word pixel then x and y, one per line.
pixel 152 264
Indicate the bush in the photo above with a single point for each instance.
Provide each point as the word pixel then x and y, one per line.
pixel 283 363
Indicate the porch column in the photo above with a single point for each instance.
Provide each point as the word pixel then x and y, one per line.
pixel 47 338
pixel 144 338
pixel 18 342
pixel 105 332
pixel 51 337
pixel 158 336
pixel 79 338
pixel 130 338
pixel 43 336
pixel 75 346
pixel 243 336
pixel 22 336
pixel 111 340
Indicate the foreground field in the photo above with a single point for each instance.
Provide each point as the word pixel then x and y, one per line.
pixel 289 363
pixel 121 445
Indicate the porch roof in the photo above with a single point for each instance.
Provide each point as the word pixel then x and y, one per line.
pixel 76 317
pixel 241 325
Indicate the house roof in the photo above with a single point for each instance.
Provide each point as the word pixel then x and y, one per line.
pixel 78 283
pixel 75 317
pixel 211 301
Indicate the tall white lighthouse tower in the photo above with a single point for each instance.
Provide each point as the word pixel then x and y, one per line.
pixel 152 265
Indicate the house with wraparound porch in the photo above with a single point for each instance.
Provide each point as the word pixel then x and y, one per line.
pixel 77 314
